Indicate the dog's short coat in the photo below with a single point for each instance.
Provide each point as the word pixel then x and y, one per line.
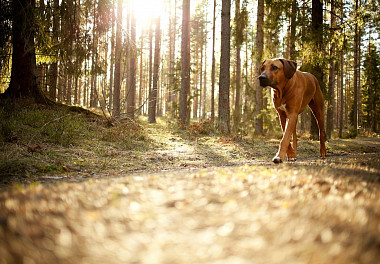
pixel 293 91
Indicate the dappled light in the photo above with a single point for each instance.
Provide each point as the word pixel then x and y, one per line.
pixel 189 131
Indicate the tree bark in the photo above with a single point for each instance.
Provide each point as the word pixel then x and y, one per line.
pixel 112 60
pixel 213 66
pixel 118 51
pixel 292 44
pixel 185 63
pixel 259 130
pixel 131 95
pixel 332 79
pixel 153 99
pixel 317 34
pixel 23 82
pixel 237 110
pixel 224 77
pixel 356 70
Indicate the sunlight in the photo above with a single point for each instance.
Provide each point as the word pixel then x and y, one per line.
pixel 146 10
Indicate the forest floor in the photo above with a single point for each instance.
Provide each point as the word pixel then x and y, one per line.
pixel 172 196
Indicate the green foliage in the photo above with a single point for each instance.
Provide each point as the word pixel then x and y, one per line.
pixel 40 125
pixel 14 167
pixel 371 88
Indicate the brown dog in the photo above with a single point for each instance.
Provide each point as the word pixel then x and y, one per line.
pixel 293 91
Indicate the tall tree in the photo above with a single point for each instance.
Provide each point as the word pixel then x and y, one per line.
pixel 213 66
pixel 131 95
pixel 118 51
pixel 23 74
pixel 293 24
pixel 54 66
pixel 238 38
pixel 153 98
pixel 332 81
pixel 355 109
pixel 241 20
pixel 317 36
pixel 371 89
pixel 185 63
pixel 112 58
pixel 340 111
pixel 141 73
pixel 259 46
pixel 224 77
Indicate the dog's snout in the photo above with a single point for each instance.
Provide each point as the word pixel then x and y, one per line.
pixel 263 76
pixel 264 80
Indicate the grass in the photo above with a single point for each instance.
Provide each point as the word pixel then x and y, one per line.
pixel 38 140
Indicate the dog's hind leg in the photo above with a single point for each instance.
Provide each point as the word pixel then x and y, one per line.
pixel 316 106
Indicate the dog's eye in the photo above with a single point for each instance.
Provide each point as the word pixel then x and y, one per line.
pixel 274 68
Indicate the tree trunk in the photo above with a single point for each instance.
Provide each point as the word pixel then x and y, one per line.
pixel 54 66
pixel 237 110
pixel 213 66
pixel 259 53
pixel 153 99
pixel 332 81
pixel 293 24
pixel 356 70
pixel 93 101
pixel 24 70
pixel 224 77
pixel 150 64
pixel 205 83
pixel 131 96
pixel 141 74
pixel 112 59
pixel 118 51
pixel 317 33
pixel 185 63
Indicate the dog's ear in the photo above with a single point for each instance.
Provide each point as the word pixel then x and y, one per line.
pixel 290 67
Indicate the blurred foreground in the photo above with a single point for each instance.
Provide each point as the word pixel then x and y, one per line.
pixel 311 211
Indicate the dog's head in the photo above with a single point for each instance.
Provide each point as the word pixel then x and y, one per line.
pixel 276 72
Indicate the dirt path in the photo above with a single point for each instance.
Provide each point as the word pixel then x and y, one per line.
pixel 251 211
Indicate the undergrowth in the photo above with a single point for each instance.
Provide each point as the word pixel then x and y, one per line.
pixel 37 139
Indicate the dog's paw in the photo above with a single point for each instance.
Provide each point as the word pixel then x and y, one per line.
pixel 277 160
pixel 292 159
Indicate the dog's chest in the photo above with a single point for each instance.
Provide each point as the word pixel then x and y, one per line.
pixel 282 107
pixel 279 102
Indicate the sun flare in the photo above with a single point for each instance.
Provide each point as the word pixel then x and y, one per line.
pixel 146 10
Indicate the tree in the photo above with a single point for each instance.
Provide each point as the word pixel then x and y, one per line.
pixel 238 42
pixel 259 54
pixel 153 98
pixel 118 51
pixel 54 65
pixel 224 77
pixel 355 109
pixel 131 95
pixel 317 69
pixel 332 81
pixel 371 89
pixel 23 82
pixel 213 66
pixel 185 63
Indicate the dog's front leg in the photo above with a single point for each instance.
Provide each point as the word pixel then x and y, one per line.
pixel 289 129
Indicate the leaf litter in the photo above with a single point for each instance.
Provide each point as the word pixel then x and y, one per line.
pixel 203 200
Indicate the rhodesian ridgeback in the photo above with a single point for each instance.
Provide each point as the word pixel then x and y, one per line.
pixel 293 90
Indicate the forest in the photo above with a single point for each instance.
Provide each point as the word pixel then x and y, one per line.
pixel 143 131
pixel 163 58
